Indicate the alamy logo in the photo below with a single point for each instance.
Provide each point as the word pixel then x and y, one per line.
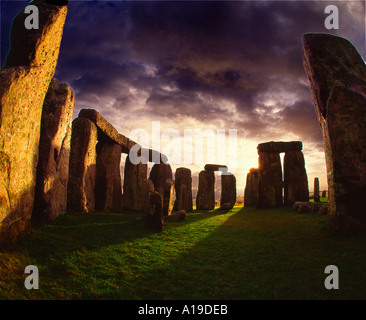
pixel 332 281
pixel 32 281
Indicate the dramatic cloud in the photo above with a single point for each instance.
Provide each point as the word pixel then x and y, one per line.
pixel 198 65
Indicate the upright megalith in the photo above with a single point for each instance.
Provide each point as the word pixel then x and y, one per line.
pixel 134 176
pixel 147 188
pixel 295 178
pixel 158 175
pixel 24 81
pixel 154 219
pixel 337 77
pixel 82 166
pixel 269 180
pixel 183 190
pixel 205 199
pixel 108 189
pixel 54 152
pixel 251 188
pixel 168 197
pixel 316 190
pixel 228 190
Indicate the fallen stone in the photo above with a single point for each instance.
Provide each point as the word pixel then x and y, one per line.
pixel 108 189
pixel 337 77
pixel 295 178
pixel 323 210
pixel 304 207
pixel 54 152
pixel 82 166
pixel 24 81
pixel 251 188
pixel 224 208
pixel 178 215
pixel 279 146
pixel 205 199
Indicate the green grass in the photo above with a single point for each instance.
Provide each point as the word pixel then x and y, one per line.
pixel 244 254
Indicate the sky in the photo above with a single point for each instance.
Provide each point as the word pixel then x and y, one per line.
pixel 164 68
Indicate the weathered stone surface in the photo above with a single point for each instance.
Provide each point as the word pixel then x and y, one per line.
pixel 134 176
pixel 82 166
pixel 183 190
pixel 295 177
pixel 323 211
pixel 147 187
pixel 154 219
pixel 108 189
pixel 54 152
pixel 337 76
pixel 228 189
pixel 158 175
pixel 24 82
pixel 216 167
pixel 279 146
pixel 316 190
pixel 106 129
pixel 177 215
pixel 168 197
pixel 269 180
pixel 303 207
pixel 206 191
pixel 251 188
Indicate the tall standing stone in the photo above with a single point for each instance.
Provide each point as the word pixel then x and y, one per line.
pixel 54 152
pixel 134 175
pixel 158 175
pixel 108 189
pixel 24 81
pixel 316 190
pixel 154 220
pixel 228 190
pixel 251 188
pixel 206 191
pixel 337 77
pixel 147 188
pixel 82 166
pixel 269 180
pixel 168 197
pixel 295 178
pixel 183 190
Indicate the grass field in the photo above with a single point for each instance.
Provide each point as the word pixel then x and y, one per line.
pixel 244 254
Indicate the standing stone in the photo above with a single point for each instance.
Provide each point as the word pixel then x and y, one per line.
pixel 206 191
pixel 134 175
pixel 24 81
pixel 108 189
pixel 337 77
pixel 269 180
pixel 147 188
pixel 228 189
pixel 295 177
pixel 251 188
pixel 54 152
pixel 316 190
pixel 324 194
pixel 154 220
pixel 183 190
pixel 83 156
pixel 168 197
pixel 158 175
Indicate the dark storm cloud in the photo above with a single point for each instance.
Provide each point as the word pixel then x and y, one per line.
pixel 237 61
